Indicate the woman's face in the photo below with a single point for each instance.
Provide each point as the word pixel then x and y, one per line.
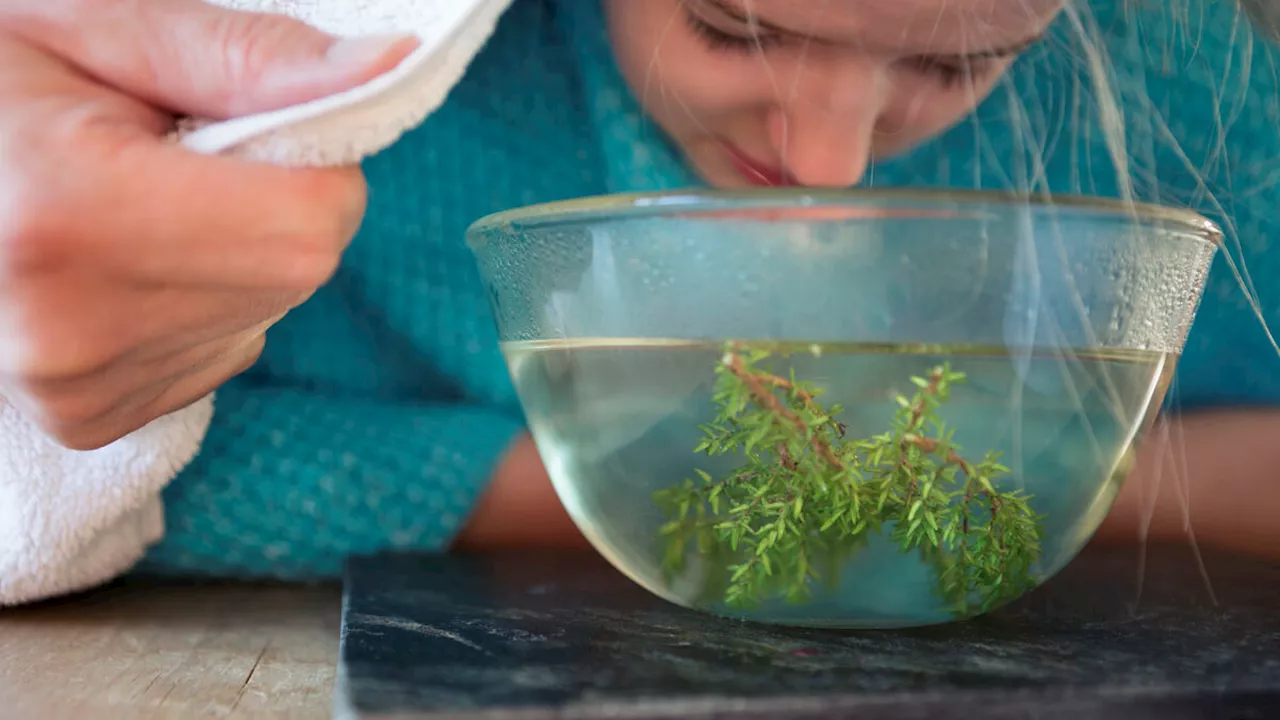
pixel 806 92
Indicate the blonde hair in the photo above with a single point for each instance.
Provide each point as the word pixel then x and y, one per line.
pixel 1136 131
pixel 1228 44
pixel 1103 101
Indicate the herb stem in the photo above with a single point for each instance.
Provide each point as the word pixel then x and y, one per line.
pixel 807 497
pixel 758 384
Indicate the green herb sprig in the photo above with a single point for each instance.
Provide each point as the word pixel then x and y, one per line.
pixel 807 496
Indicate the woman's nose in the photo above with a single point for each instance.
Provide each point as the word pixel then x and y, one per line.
pixel 824 133
pixel 823 151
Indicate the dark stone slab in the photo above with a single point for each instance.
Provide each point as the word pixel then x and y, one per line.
pixel 1116 635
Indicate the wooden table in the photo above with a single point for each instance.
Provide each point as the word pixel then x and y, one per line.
pixel 172 651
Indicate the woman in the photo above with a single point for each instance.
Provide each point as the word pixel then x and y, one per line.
pixel 380 412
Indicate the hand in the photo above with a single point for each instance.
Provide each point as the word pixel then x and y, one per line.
pixel 1207 479
pixel 135 276
pixel 520 508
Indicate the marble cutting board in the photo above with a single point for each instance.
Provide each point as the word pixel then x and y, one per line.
pixel 529 636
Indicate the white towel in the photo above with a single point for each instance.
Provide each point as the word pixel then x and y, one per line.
pixel 71 520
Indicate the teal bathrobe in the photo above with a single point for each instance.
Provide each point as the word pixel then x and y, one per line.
pixel 380 407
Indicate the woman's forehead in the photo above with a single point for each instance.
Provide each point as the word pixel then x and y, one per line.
pixel 935 26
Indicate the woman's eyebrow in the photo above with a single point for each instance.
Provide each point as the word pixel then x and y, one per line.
pixel 732 12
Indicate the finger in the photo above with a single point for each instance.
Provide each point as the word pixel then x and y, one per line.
pixel 171 321
pixel 88 399
pixel 155 213
pixel 218 329
pixel 195 58
pixel 86 422
pixel 84 179
pixel 194 386
pixel 82 327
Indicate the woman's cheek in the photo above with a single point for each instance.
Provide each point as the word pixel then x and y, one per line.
pixel 909 118
pixel 713 80
pixel 925 109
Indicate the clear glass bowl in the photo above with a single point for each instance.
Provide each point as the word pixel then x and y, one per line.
pixel 841 409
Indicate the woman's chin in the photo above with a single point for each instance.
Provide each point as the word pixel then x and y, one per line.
pixel 724 179
pixel 715 172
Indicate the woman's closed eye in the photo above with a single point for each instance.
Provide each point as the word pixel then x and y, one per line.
pixel 723 40
pixel 949 73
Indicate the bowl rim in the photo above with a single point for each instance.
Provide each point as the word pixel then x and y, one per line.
pixel 667 201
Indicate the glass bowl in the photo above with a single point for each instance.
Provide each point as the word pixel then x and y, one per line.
pixel 855 409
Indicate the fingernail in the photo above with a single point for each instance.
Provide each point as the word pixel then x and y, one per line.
pixel 377 49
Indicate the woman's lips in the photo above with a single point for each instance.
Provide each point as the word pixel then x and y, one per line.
pixel 755 172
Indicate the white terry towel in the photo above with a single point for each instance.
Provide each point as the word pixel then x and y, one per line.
pixel 71 520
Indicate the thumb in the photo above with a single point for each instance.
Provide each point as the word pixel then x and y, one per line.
pixel 190 57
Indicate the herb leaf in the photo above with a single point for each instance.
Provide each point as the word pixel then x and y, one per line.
pixel 806 497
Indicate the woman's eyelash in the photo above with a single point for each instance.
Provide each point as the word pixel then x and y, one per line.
pixel 949 75
pixel 718 39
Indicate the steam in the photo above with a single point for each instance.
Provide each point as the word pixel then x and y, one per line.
pixel 1133 141
pixel 1077 92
